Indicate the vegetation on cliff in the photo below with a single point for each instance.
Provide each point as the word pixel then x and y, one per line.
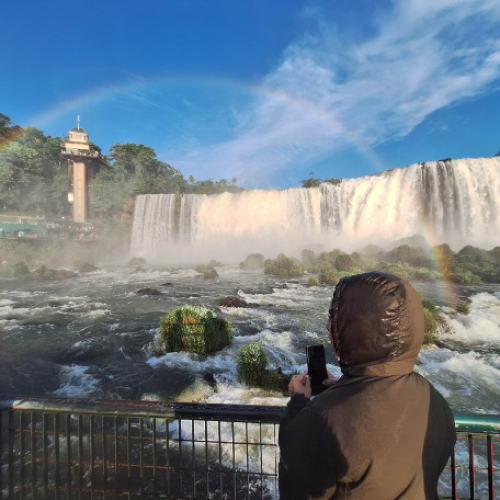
pixel 193 329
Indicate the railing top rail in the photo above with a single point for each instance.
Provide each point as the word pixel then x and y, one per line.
pixel 158 409
pixel 477 423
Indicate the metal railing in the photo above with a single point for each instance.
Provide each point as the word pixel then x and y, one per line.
pixel 54 448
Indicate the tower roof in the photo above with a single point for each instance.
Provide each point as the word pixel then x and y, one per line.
pixel 75 129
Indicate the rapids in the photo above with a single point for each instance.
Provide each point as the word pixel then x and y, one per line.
pixel 87 337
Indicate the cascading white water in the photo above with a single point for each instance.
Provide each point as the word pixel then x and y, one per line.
pixel 453 201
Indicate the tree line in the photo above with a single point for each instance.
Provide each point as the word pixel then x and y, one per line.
pixel 34 178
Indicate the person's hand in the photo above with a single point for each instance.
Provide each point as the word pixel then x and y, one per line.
pixel 300 384
pixel 331 380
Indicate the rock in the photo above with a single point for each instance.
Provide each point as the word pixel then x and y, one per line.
pixel 86 267
pixel 136 261
pixel 167 284
pixel 235 302
pixel 210 380
pixel 148 291
pixel 253 262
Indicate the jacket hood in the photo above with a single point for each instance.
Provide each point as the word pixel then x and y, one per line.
pixel 377 325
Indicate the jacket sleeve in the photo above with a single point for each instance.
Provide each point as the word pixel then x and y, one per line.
pixel 309 463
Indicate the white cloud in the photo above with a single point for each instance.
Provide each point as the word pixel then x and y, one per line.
pixel 330 90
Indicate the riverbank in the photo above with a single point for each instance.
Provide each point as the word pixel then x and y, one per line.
pixel 112 246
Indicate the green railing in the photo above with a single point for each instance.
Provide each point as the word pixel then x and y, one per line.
pixel 55 448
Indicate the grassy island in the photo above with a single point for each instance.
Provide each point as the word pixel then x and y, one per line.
pixel 192 329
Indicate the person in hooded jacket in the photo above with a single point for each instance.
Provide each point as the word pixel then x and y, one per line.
pixel 382 431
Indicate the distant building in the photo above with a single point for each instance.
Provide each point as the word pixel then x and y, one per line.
pixel 83 164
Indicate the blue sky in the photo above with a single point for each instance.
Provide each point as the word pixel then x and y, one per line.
pixel 264 91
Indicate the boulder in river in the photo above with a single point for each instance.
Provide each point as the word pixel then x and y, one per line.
pixel 87 267
pixel 235 302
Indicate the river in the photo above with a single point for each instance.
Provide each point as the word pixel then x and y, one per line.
pixel 88 336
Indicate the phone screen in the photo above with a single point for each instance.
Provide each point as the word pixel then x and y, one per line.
pixel 316 367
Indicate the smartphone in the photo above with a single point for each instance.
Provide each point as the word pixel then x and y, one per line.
pixel 316 368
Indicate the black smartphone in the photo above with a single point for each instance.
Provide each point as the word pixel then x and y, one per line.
pixel 316 368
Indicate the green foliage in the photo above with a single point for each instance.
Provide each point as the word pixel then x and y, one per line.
pixel 137 261
pixel 344 263
pixel 253 371
pixel 34 179
pixel 210 273
pixel 466 278
pixel 333 181
pixel 283 266
pixel 430 322
pixel 431 318
pixel 192 329
pixel 215 263
pixel 253 262
pixel 312 281
pixel 252 365
pixel 20 269
pixel 47 273
pixel 308 259
pixel 31 172
pixel 311 182
pixel 14 270
pixel 462 307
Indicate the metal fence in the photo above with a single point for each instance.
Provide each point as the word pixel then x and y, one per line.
pixel 55 448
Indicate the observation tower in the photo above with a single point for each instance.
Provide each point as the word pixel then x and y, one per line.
pixel 83 164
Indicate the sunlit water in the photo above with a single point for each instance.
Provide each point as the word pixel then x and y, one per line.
pixel 453 201
pixel 88 337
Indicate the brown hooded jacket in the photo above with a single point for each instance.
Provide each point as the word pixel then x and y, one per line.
pixel 382 432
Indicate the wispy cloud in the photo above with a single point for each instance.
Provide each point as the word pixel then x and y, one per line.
pixel 330 90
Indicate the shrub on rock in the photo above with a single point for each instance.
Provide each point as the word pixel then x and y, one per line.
pixel 192 329
pixel 431 320
pixel 48 273
pixel 210 273
pixel 284 266
pixel 13 270
pixel 253 371
pixel 253 262
pixel 136 261
pixel 312 281
pixel 462 308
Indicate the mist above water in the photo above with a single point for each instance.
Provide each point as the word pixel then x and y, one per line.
pixel 453 201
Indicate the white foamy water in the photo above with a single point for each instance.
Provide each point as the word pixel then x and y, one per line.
pixel 456 201
pixel 88 337
pixel 76 382
pixel 481 325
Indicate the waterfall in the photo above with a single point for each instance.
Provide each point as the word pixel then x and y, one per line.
pixel 452 201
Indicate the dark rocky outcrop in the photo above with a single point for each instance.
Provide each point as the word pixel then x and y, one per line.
pixel 148 291
pixel 235 302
